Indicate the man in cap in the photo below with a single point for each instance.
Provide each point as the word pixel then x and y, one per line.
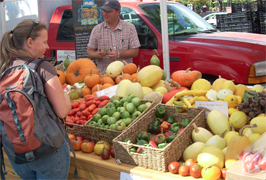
pixel 113 39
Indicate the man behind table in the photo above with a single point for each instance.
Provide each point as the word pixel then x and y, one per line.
pixel 113 39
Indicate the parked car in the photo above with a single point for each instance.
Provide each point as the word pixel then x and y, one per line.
pixel 193 42
pixel 211 18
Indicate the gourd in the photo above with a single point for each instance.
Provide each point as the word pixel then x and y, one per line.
pixel 134 76
pixel 66 62
pixel 186 77
pixel 134 88
pixel 223 93
pixel 92 79
pixel 232 100
pixel 211 95
pixel 202 84
pixel 218 122
pixel 240 90
pixel 114 69
pixel 192 151
pixel 97 87
pixel 153 96
pixel 230 85
pixel 217 84
pixel 122 87
pixel 150 75
pixel 79 69
pixel 236 145
pixel 122 76
pixel 217 141
pixel 261 125
pixel 228 136
pixel 200 134
pixel 129 68
pixel 107 79
pixel 62 77
pixel 211 156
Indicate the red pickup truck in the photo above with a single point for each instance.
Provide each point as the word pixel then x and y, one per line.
pixel 192 42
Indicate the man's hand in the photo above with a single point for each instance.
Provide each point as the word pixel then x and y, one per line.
pixel 112 55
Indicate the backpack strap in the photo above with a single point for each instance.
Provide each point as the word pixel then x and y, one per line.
pixel 2 163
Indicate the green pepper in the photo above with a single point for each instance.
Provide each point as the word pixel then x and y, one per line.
pixel 154 127
pixel 171 138
pixel 126 140
pixel 142 142
pixel 133 149
pixel 160 111
pixel 162 145
pixel 170 119
pixel 185 122
pixel 175 127
pixel 143 135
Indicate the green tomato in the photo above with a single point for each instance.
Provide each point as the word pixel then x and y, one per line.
pixel 127 121
pixel 111 110
pixel 130 107
pixel 96 117
pixel 117 115
pixel 116 103
pixel 130 97
pixel 135 114
pixel 104 118
pixel 125 114
pixel 142 107
pixel 102 111
pixel 112 127
pixel 120 126
pixel 148 104
pixel 136 101
pixel 122 109
pixel 111 120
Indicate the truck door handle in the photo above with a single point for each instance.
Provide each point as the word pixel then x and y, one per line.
pixel 176 59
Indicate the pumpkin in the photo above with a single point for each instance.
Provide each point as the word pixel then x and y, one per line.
pixel 85 91
pixel 96 87
pixel 240 90
pixel 123 76
pixel 107 85
pixel 92 79
pixel 217 84
pixel 62 77
pixel 150 75
pixel 79 69
pixel 114 69
pixel 108 80
pixel 129 68
pixel 186 78
pixel 134 76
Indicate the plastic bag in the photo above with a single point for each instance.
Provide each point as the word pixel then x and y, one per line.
pixel 253 157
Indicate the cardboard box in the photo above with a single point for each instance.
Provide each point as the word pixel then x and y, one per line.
pixel 235 172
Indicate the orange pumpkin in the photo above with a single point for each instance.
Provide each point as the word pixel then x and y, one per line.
pixel 92 79
pixel 62 77
pixel 123 76
pixel 186 78
pixel 79 69
pixel 107 79
pixel 85 91
pixel 129 68
pixel 107 85
pixel 96 87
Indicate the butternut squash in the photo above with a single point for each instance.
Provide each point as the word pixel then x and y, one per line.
pixel 236 145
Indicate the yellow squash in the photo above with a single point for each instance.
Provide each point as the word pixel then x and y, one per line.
pixel 150 75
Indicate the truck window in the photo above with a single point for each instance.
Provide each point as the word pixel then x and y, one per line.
pixel 66 30
pixel 146 36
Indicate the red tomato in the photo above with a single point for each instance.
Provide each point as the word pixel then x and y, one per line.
pixel 74 105
pixel 249 166
pixel 105 154
pixel 80 137
pixel 112 151
pixel 223 171
pixel 82 106
pixel 183 170
pixel 173 167
pixel 262 164
pixel 78 114
pixel 72 112
pixel 82 101
pixel 71 136
pixel 211 173
pixel 76 143
pixel 92 107
pixel 243 155
pixel 189 163
pixel 87 146
pixel 195 170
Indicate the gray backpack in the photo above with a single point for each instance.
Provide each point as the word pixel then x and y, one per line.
pixel 29 128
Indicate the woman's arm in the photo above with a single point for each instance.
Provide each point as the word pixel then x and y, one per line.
pixel 60 101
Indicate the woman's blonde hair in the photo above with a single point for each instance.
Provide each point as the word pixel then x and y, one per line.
pixel 13 42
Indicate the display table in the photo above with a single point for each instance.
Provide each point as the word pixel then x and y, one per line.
pixel 91 166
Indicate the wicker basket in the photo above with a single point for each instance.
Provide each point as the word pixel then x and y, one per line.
pixel 77 130
pixel 157 159
pixel 97 133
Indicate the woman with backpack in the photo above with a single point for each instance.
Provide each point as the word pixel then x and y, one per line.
pixel 25 43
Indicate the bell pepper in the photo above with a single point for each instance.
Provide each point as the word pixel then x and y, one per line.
pixel 165 126
pixel 160 138
pixel 152 144
pixel 160 112
pixel 171 138
pixel 154 127
pixel 185 122
pixel 162 145
pixel 170 119
pixel 175 127
pixel 169 133
pixel 142 142
pixel 143 135
pixel 133 149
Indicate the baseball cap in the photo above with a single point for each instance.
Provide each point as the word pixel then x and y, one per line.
pixel 109 5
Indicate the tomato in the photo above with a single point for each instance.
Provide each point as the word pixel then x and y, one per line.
pixel 92 107
pixel 211 173
pixel 71 136
pixel 243 155
pixel 183 170
pixel 82 106
pixel 82 101
pixel 85 113
pixel 112 151
pixel 100 145
pixel 80 137
pixel 262 164
pixel 74 105
pixel 223 171
pixel 87 146
pixel 76 143
pixel 195 170
pixel 249 166
pixel 90 102
pixel 189 163
pixel 72 112
pixel 78 113
pixel 105 154
pixel 95 111
pixel 173 167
